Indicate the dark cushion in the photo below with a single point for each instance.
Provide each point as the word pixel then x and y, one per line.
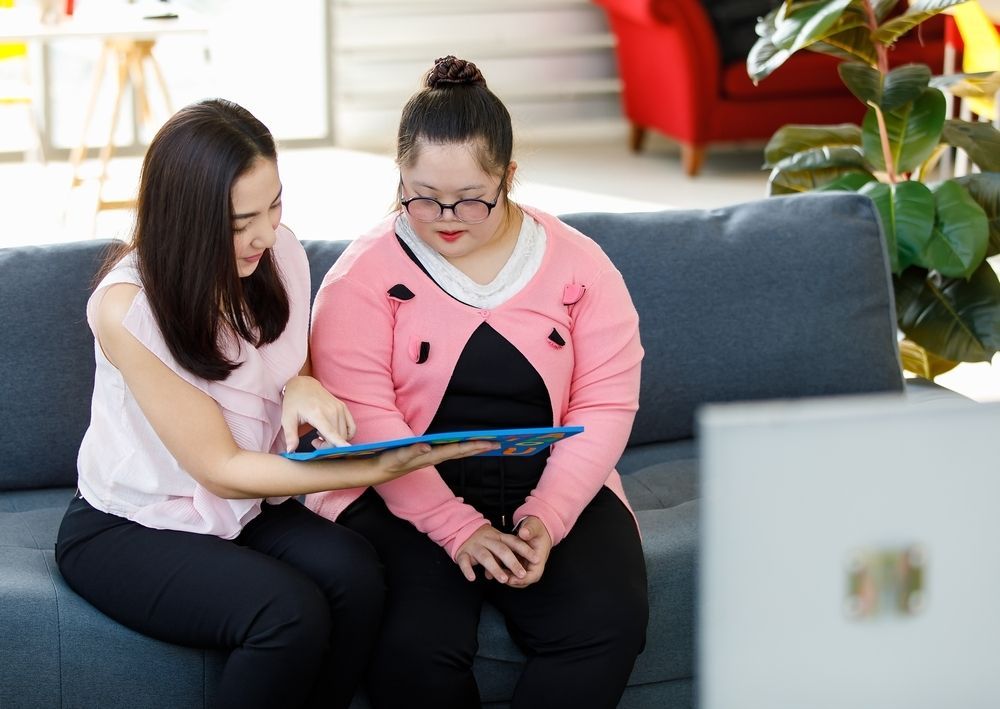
pixel 778 298
pixel 734 22
pixel 47 360
pixel 322 255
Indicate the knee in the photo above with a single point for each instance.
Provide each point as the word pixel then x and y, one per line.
pixel 614 618
pixel 356 583
pixel 291 612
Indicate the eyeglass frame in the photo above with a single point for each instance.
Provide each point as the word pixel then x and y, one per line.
pixel 490 206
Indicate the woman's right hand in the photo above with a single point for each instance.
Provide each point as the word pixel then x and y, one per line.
pixel 394 463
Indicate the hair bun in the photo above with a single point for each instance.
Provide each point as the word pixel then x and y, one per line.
pixel 449 70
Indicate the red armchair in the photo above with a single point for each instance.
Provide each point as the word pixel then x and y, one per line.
pixel 674 80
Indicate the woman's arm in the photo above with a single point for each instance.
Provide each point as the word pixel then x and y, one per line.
pixel 604 396
pixel 191 426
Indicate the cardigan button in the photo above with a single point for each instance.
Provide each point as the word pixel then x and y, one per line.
pixel 485 314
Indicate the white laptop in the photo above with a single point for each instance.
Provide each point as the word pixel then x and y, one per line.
pixel 850 555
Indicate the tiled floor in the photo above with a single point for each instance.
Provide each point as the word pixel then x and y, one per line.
pixel 331 193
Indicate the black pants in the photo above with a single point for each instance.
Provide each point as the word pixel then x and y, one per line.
pixel 296 598
pixel 582 625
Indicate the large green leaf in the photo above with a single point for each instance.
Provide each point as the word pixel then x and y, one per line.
pixel 848 38
pixel 791 139
pixel 826 156
pixel 918 11
pixel 830 27
pixel 904 84
pixel 914 131
pixel 900 86
pixel 764 58
pixel 851 45
pixel 851 182
pixel 985 189
pixel 907 212
pixel 808 23
pixel 793 182
pixel 954 318
pixel 980 140
pixel 863 81
pixel 960 234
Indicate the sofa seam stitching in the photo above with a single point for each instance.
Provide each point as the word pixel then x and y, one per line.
pixel 55 598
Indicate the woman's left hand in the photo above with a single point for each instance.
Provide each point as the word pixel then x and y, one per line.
pixel 532 531
pixel 307 402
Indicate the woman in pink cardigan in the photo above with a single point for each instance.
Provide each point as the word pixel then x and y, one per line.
pixel 464 310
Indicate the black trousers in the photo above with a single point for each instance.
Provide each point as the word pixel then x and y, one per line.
pixel 582 625
pixel 296 598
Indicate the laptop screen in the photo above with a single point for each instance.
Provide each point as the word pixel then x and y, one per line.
pixel 850 554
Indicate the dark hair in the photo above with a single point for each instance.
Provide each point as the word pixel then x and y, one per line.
pixel 456 106
pixel 183 238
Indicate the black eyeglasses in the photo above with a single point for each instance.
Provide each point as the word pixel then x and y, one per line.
pixel 467 211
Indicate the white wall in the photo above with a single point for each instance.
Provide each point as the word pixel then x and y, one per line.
pixel 551 61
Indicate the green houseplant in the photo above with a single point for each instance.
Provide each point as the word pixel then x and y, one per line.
pixel 939 233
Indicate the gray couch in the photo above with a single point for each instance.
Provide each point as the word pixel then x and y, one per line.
pixel 786 297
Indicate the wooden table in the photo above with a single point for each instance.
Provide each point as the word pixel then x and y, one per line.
pixel 128 38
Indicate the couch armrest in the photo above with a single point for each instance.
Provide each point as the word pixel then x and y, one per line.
pixel 923 391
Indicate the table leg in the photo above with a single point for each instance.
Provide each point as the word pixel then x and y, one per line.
pixel 76 157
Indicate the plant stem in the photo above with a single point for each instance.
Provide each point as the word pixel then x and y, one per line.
pixel 883 134
pixel 883 68
pixel 880 49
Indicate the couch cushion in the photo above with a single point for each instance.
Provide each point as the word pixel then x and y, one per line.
pixel 638 457
pixel 662 486
pixel 322 255
pixel 778 298
pixel 47 360
pixel 70 654
pixel 67 653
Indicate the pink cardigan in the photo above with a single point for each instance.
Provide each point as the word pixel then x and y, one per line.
pixel 366 349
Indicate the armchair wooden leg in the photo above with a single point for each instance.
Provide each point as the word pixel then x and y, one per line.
pixel 692 157
pixel 636 138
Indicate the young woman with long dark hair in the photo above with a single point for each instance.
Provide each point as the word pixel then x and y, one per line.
pixel 183 527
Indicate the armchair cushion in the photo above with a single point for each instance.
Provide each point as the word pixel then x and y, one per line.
pixel 734 22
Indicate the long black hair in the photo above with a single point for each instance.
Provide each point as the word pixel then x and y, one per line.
pixel 183 238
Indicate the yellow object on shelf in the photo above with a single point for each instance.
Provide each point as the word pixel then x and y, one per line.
pixel 982 50
pixel 19 92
